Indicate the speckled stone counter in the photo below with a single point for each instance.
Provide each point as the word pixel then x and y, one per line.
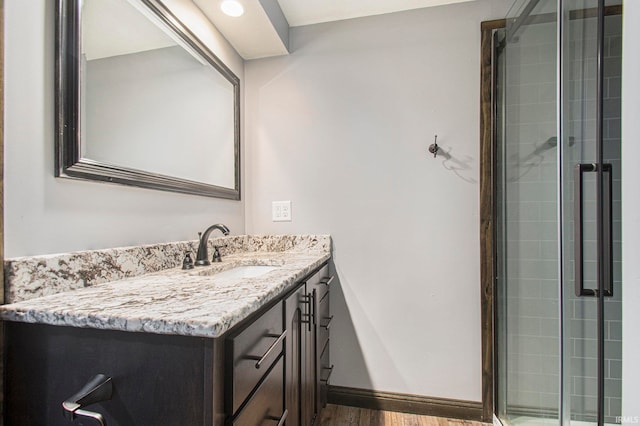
pixel 119 289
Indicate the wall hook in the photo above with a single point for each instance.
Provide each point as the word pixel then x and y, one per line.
pixel 433 148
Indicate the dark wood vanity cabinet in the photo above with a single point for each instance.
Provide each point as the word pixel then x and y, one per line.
pixel 290 338
pixel 271 369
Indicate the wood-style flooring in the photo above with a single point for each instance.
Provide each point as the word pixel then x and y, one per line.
pixel 340 415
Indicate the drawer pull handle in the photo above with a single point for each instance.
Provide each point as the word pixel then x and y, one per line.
pixel 261 359
pixel 327 280
pixel 328 324
pixel 326 379
pixel 280 419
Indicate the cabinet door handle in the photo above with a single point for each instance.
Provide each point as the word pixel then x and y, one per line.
pixel 280 419
pixel 314 314
pixel 328 324
pixel 309 300
pixel 326 379
pixel 327 280
pixel 274 345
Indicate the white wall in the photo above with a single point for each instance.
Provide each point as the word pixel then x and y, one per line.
pixel 341 128
pixel 47 215
pixel 630 212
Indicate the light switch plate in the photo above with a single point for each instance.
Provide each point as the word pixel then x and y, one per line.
pixel 281 211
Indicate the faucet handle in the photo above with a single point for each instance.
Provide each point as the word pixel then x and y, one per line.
pixel 217 257
pixel 187 263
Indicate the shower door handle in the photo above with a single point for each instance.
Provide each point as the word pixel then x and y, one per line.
pixel 607 243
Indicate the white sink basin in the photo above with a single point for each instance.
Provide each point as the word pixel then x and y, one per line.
pixel 250 271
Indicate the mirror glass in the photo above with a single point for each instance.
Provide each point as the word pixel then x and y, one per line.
pixel 143 102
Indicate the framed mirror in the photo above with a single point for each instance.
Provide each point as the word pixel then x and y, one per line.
pixel 141 101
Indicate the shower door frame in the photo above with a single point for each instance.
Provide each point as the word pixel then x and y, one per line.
pixel 488 209
pixel 488 144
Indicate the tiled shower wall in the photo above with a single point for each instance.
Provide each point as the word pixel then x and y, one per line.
pixel 530 174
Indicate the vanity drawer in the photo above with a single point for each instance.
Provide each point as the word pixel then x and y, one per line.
pixel 253 350
pixel 320 282
pixel 324 320
pixel 266 406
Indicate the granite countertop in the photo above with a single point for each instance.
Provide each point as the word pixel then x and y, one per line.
pixel 174 301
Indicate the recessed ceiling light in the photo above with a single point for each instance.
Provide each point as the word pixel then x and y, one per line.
pixel 232 8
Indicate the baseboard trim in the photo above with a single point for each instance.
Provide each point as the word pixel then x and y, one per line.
pixel 406 403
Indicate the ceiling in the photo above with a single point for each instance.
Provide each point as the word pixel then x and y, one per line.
pixel 305 12
pixel 259 32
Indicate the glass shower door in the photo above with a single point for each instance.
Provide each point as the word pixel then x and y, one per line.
pixel 558 229
pixel 591 236
pixel 527 239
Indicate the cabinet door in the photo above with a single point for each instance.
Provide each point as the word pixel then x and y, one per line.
pixel 157 379
pixel 296 330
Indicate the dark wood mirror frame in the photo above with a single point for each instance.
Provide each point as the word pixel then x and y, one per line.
pixel 69 160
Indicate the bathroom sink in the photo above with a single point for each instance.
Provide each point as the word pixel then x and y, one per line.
pixel 246 271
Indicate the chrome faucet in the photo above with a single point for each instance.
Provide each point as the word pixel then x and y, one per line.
pixel 202 258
